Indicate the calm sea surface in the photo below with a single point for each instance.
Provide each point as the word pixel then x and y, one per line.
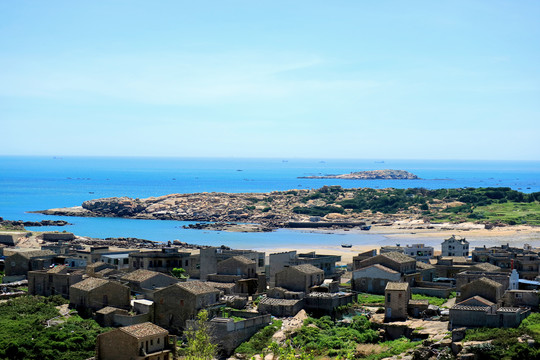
pixel 36 183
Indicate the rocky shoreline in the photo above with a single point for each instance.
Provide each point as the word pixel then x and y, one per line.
pixel 20 224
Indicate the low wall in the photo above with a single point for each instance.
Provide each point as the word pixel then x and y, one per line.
pixel 437 292
pixel 126 320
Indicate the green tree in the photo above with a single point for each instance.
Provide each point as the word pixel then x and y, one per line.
pixel 179 273
pixel 199 345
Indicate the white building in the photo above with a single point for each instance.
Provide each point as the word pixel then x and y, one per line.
pixel 419 252
pixel 455 247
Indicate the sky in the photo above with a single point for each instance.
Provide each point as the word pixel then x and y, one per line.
pixel 284 79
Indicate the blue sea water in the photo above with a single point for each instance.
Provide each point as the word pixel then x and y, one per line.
pixel 36 183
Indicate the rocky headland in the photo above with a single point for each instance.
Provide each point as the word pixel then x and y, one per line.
pixel 369 175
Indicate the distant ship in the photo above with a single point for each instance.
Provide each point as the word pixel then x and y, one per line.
pixel 346 245
pixel 365 227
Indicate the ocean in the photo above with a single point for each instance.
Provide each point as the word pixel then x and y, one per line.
pixel 37 183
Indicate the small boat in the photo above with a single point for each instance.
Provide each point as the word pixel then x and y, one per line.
pixel 365 227
pixel 346 245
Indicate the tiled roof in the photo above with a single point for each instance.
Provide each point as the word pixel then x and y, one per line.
pixel 380 267
pixel 107 310
pixel 57 269
pixel 398 257
pixel 485 267
pixel 35 253
pixel 419 302
pixel 239 258
pixel 424 266
pixel 476 301
pixel 144 330
pixel 90 284
pixel 275 302
pixel 397 286
pixel 508 309
pixel 488 282
pixel 196 287
pixel 96 264
pixel 140 275
pixel 307 269
pixel 220 285
pixel 470 308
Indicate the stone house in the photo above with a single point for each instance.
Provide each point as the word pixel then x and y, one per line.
pixel 141 281
pixel 279 261
pixel 9 239
pixel 396 301
pixel 479 312
pixel 93 268
pixel 450 266
pixel 280 307
pixel 94 294
pixel 396 261
pixel 164 260
pixel 22 261
pixel 238 265
pixel 363 256
pixel 521 298
pixel 484 287
pixel 373 279
pixel 326 303
pixel 58 236
pixel 144 341
pixel 468 276
pixel 55 281
pixel 426 270
pixel 209 258
pixel 300 277
pixel 182 301
pixel 454 246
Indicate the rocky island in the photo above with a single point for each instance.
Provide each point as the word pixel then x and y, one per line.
pixel 369 175
pixel 327 207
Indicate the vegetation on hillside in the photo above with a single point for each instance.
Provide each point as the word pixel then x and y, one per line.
pixel 467 204
pixel 508 343
pixel 26 334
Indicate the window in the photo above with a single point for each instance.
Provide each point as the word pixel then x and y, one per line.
pixel 388 297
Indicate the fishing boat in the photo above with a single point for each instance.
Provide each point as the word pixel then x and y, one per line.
pixel 346 245
pixel 365 227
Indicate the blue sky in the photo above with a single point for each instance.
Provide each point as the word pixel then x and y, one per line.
pixel 320 79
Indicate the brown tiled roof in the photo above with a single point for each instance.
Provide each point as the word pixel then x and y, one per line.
pixel 508 309
pixel 274 302
pixel 196 287
pixel 244 260
pixel 140 275
pixel 397 286
pixel 380 267
pixel 90 284
pixel 96 264
pixel 419 302
pixel 144 330
pixel 307 269
pixel 470 308
pixel 398 257
pixel 489 282
pixel 475 299
pixel 485 267
pixel 35 253
pixel 107 310
pixel 219 285
pixel 106 272
pixel 424 266
pixel 57 269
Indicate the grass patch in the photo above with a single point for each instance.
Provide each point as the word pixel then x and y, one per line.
pixel 260 341
pixel 394 347
pixel 432 299
pixel 370 299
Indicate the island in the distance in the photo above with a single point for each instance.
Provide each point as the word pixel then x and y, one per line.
pixel 369 175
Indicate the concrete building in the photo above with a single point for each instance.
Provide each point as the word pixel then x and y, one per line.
pixel 373 279
pixel 396 301
pixel 94 294
pixel 118 260
pixel 455 247
pixel 55 281
pixel 144 341
pixel 419 252
pixel 521 298
pixel 280 307
pixel 299 277
pixel 163 260
pixel 182 301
